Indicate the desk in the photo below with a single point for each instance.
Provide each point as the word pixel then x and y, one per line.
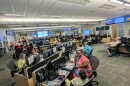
pixel 123 49
pixel 105 40
pixel 27 77
pixel 56 81
pixel 81 48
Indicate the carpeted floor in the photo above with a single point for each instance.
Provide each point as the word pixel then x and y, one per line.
pixel 112 71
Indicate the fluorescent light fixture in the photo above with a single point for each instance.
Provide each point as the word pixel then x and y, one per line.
pixel 117 1
pixel 127 4
pixel 35 28
pixel 17 15
pixel 47 20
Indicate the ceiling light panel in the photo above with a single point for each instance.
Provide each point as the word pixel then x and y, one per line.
pixel 81 2
pixel 106 6
pixel 118 1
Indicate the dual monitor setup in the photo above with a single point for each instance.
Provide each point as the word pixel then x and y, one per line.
pixel 49 71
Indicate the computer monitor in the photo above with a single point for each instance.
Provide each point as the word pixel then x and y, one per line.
pixel 49 52
pixel 36 58
pixel 54 56
pixel 123 39
pixel 58 48
pixel 60 62
pixel 29 60
pixel 54 49
pixel 45 54
pixel 66 55
pixel 49 65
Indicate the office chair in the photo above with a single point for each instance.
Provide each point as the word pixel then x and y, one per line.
pixel 115 51
pixel 12 66
pixel 89 83
pixel 40 77
pixel 94 62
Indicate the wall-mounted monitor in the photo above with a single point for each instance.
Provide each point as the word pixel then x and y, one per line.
pixel 67 29
pixel 97 28
pixel 34 34
pixel 51 33
pixel 119 20
pixel 109 21
pixel 127 18
pixel 42 33
pixel 86 32
pixel 100 28
pixel 106 27
pixel 9 33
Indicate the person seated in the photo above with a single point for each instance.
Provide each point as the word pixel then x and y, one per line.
pixel 81 62
pixel 89 40
pixel 18 50
pixel 21 62
pixel 34 52
pixel 80 81
pixel 111 45
pixel 87 49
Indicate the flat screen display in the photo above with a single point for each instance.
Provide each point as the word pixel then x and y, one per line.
pixel 97 28
pixel 42 33
pixel 86 32
pixel 34 34
pixel 119 20
pixel 67 29
pixel 10 33
pixel 106 27
pixel 109 21
pixel 127 18
pixel 51 33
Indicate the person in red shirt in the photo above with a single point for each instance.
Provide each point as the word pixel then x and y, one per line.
pixel 81 62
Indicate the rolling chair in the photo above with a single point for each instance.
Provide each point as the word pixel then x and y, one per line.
pixel 89 83
pixel 115 51
pixel 12 66
pixel 94 62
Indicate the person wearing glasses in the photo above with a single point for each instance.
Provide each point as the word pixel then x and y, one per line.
pixel 81 62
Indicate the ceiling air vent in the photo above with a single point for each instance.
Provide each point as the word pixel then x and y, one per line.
pixel 81 2
pixel 106 6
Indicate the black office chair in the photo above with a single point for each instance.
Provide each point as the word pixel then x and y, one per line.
pixel 40 77
pixel 12 66
pixel 94 62
pixel 89 83
pixel 115 51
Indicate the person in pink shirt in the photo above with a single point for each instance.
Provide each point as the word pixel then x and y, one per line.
pixel 81 62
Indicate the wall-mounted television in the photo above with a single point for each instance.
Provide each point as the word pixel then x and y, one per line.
pixel 51 33
pixel 86 32
pixel 106 27
pixel 67 29
pixel 127 18
pixel 9 33
pixel 100 28
pixel 42 33
pixel 109 21
pixel 34 34
pixel 119 20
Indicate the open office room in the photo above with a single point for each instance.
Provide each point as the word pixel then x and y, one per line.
pixel 64 42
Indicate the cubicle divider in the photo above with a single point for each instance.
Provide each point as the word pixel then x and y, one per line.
pixel 26 79
pixel 66 53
